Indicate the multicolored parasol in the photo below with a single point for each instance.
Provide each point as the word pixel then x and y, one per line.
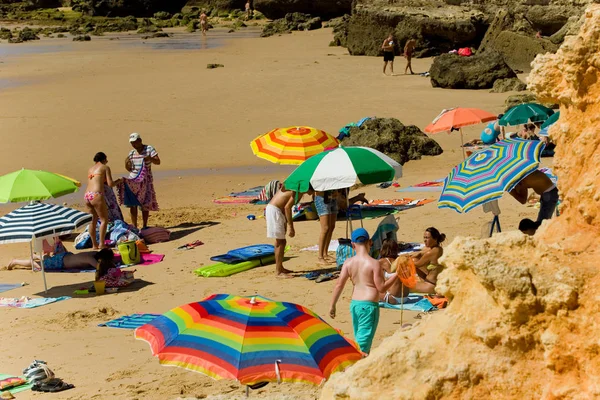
pixel 487 174
pixel 249 339
pixel 292 145
pixel 456 118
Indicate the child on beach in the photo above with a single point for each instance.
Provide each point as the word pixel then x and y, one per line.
pixel 279 222
pixel 409 48
pixel 367 277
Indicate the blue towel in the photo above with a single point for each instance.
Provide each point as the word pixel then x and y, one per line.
pixel 31 303
pixel 130 321
pixel 421 305
pixel 7 286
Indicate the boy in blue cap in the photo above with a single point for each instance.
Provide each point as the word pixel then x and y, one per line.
pixel 368 280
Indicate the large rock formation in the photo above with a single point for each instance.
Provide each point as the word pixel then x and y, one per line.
pixel 216 5
pixel 322 8
pixel 391 137
pixel 522 320
pixel 443 25
pixel 122 8
pixel 291 22
pixel 480 71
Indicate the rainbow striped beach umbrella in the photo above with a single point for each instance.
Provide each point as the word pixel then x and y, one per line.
pixel 249 339
pixel 292 145
pixel 487 174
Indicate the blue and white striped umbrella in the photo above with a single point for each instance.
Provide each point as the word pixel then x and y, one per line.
pixel 38 220
pixel 488 173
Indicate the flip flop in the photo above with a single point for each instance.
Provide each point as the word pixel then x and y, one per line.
pixel 326 277
pixel 189 246
pixel 52 386
pixel 311 276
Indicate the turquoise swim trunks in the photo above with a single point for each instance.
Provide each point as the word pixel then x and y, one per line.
pixel 365 317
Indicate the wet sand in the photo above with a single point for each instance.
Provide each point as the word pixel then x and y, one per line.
pixel 72 103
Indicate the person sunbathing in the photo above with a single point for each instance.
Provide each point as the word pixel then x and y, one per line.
pixel 61 259
pixel 427 260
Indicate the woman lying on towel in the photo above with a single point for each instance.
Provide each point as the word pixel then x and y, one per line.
pixel 59 259
pixel 427 260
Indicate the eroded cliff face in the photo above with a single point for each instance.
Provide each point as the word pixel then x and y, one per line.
pixel 523 318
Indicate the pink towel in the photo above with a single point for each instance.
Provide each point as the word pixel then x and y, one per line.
pixel 147 259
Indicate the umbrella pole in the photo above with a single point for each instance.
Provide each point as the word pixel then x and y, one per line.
pixel 462 144
pixel 348 216
pixel 43 271
pixel 401 303
pixel 31 253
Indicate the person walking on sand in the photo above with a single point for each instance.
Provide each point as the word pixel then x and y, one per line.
pixel 409 48
pixel 279 222
pixel 138 189
pixel 367 277
pixel 543 186
pixel 203 23
pixel 98 175
pixel 388 53
pixel 248 8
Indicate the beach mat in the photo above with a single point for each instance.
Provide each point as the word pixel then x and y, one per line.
pixel 8 286
pixel 245 254
pixel 221 269
pixel 399 203
pixel 16 389
pixel 245 197
pixel 132 321
pixel 430 186
pixel 27 302
pixel 421 305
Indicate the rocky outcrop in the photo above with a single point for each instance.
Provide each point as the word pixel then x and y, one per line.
pixel 215 5
pixel 391 137
pixel 522 319
pixel 274 9
pixel 508 85
pixel 291 22
pixel 476 72
pixel 122 8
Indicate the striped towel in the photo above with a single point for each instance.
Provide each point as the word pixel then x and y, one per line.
pixel 130 321
pixel 270 190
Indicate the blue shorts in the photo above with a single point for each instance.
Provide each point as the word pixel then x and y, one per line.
pixel 323 208
pixel 365 318
pixel 55 263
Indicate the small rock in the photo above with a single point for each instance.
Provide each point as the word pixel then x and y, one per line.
pixel 212 66
pixel 82 38
pixel 508 85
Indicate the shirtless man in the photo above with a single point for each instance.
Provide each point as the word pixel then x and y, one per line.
pixel 409 48
pixel 543 186
pixel 367 277
pixel 388 53
pixel 248 8
pixel 203 23
pixel 279 222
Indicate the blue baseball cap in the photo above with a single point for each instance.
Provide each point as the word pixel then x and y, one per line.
pixel 360 235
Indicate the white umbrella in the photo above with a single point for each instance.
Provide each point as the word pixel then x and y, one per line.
pixel 38 220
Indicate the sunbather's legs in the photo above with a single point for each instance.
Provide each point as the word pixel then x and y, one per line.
pixel 279 253
pixel 424 287
pixel 101 211
pixel 332 221
pixel 23 264
pixel 92 229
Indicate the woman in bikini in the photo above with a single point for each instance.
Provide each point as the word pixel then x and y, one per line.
pixel 95 203
pixel 427 260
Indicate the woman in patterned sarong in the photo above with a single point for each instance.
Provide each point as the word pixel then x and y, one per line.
pixel 138 189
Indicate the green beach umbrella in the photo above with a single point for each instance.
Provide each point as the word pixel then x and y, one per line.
pixel 524 113
pixel 29 185
pixel 341 168
pixel 553 118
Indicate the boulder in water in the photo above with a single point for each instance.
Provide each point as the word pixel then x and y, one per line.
pixel 393 138
pixel 508 85
pixel 274 9
pixel 476 72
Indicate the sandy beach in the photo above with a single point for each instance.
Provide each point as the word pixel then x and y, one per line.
pixel 62 106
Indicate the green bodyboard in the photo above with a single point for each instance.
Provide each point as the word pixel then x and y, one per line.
pixel 221 269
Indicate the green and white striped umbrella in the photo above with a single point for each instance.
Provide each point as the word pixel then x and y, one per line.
pixel 341 168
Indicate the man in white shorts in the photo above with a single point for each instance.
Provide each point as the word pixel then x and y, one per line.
pixel 279 218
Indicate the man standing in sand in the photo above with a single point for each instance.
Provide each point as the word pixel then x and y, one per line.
pixel 388 53
pixel 279 222
pixel 543 186
pixel 248 8
pixel 203 23
pixel 368 279
pixel 409 48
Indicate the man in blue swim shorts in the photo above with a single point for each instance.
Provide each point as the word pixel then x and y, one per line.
pixel 367 277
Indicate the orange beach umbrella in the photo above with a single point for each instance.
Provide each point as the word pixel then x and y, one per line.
pixel 456 118
pixel 292 145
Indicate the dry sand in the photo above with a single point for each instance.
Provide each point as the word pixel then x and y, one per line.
pixel 73 103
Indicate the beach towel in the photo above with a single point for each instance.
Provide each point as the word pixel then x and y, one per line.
pixel 345 131
pixel 8 286
pixel 439 301
pixel 146 259
pixel 429 186
pixel 130 321
pixel 114 211
pixel 28 302
pixel 385 230
pixel 246 197
pixel 421 305
pixel 406 248
pixel 17 389
pixel 333 245
pixel 267 193
pixel 138 191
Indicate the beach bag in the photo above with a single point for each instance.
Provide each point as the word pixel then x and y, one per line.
pixel 155 235
pixel 344 251
pixel 83 241
pixel 129 252
pixel 465 52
